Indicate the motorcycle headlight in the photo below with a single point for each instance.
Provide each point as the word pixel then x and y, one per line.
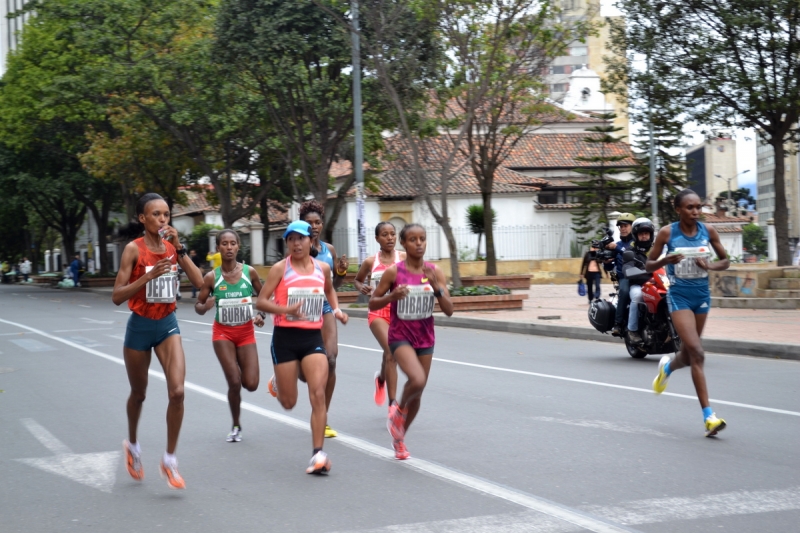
pixel 664 280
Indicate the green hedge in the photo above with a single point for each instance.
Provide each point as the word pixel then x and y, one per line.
pixel 479 290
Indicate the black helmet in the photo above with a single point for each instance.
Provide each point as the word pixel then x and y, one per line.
pixel 601 315
pixel 640 225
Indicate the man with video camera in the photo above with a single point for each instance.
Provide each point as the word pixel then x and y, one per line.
pixel 624 243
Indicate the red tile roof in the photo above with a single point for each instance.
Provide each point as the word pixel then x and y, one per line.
pixel 559 150
pixel 716 219
pixel 197 203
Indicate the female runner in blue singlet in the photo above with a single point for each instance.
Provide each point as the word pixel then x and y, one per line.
pixel 689 244
pixel 314 213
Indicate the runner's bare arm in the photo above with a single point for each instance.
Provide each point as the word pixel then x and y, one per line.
pixel 653 261
pixel 361 277
pixel 445 303
pixel 380 298
pixel 265 302
pixel 194 274
pixel 337 279
pixel 722 262
pixel 333 298
pixel 123 291
pixel 204 303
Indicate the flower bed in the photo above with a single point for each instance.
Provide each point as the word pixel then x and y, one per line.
pixel 510 281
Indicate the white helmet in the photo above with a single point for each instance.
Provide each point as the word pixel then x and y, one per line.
pixel 643 224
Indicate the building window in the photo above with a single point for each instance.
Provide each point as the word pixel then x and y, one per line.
pixel 578 51
pixel 561 69
pixel 559 87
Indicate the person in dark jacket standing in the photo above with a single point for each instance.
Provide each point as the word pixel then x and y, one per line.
pixel 75 270
pixel 592 271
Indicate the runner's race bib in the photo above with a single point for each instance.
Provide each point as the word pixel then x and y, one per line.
pixel 162 289
pixel 376 278
pixel 312 299
pixel 235 311
pixel 688 267
pixel 418 304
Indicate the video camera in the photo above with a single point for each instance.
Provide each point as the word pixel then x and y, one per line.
pixel 602 254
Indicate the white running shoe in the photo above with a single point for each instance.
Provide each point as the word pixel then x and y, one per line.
pixel 235 435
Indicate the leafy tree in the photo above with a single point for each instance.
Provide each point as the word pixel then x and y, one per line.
pixel 740 196
pixel 727 64
pixel 157 58
pixel 671 171
pixel 601 192
pixel 498 51
pixel 476 222
pixel 296 57
pixel 753 239
pixel 198 240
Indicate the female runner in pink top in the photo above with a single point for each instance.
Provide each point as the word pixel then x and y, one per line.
pixel 375 267
pixel 415 287
pixel 300 285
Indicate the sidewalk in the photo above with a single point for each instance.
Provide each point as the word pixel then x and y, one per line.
pixel 758 325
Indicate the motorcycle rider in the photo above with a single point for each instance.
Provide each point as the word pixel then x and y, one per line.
pixel 624 243
pixel 642 231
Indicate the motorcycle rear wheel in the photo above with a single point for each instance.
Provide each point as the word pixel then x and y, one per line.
pixel 634 351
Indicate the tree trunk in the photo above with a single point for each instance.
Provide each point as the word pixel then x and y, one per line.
pixel 478 249
pixel 781 216
pixel 488 228
pixel 334 207
pixel 452 247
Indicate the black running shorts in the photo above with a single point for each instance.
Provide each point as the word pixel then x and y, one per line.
pixel 292 344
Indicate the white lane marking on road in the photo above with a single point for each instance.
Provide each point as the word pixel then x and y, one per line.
pixel 118 337
pixel 86 306
pixel 13 334
pixel 574 380
pixel 96 470
pixel 614 386
pixel 47 439
pixel 123 312
pixel 32 345
pixel 602 424
pixel 639 512
pixel 702 506
pixel 531 502
pixel 527 522
pixel 93 321
pixel 83 329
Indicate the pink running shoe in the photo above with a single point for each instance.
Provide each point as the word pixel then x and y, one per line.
pixel 400 450
pixel 380 389
pixel 396 422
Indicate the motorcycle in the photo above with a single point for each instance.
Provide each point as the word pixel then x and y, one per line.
pixel 655 323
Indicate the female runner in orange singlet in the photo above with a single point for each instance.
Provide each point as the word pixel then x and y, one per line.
pixel 378 321
pixel 147 281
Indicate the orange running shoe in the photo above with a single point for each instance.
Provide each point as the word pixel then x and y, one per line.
pixel 170 473
pixel 272 387
pixel 133 461
pixel 319 464
pixel 395 423
pixel 400 450
pixel 380 389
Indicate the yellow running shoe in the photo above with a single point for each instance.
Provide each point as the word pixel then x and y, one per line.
pixel 660 383
pixel 330 433
pixel 714 425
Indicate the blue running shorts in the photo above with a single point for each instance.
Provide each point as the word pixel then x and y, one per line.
pixel 695 299
pixel 326 308
pixel 143 334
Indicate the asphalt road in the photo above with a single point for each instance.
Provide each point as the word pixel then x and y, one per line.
pixel 516 434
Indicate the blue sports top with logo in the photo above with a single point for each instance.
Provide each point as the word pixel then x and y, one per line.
pixel 688 273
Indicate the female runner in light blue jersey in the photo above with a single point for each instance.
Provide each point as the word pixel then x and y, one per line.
pixel 313 212
pixel 689 244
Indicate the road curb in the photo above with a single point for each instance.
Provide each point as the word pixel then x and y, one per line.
pixel 771 350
